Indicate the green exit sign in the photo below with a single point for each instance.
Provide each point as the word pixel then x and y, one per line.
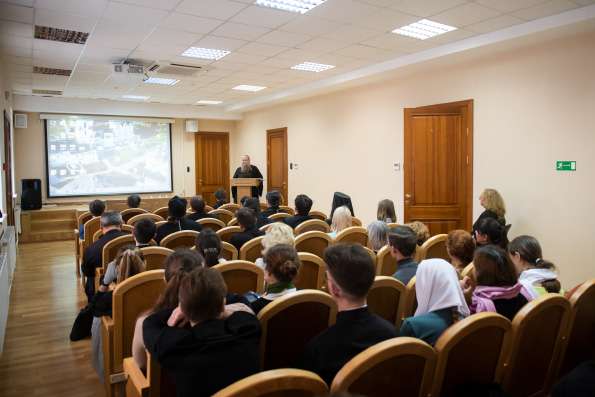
pixel 565 165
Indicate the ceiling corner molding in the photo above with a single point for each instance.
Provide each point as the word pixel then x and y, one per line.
pixel 535 26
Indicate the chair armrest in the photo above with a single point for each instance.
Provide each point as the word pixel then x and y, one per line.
pixel 137 384
pixel 107 335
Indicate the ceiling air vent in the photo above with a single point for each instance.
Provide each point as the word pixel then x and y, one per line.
pixel 51 71
pixel 165 67
pixel 61 35
pixel 47 92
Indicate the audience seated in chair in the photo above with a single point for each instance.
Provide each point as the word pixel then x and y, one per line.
pixel 377 235
pixel 133 201
pixel 144 232
pixel 403 242
pixel 421 231
pixel 221 197
pixel 200 344
pixel 303 205
pixel 490 231
pixel 197 203
pixel 350 273
pixel 277 233
pixel 440 301
pixel 274 201
pixel 340 200
pixel 208 244
pixel 254 204
pixel 96 208
pixel 111 228
pixel 492 201
pixel 281 267
pixel 580 382
pixel 460 247
pixel 341 219
pixel 536 274
pixel 176 220
pixel 386 211
pixel 498 289
pixel 128 262
pixel 247 220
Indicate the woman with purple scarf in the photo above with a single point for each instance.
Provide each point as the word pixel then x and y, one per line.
pixel 498 289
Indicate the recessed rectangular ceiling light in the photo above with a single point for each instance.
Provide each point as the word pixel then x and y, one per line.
pixel 300 6
pixel 252 88
pixel 312 67
pixel 161 80
pixel 424 29
pixel 205 53
pixel 136 97
pixel 208 102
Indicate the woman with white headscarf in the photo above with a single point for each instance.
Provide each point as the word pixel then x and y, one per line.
pixel 440 301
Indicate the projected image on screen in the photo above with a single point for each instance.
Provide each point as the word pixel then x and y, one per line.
pixel 102 156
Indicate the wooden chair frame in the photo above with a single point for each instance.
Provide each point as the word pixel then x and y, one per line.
pixel 382 269
pixel 468 271
pixel 80 221
pixel 209 222
pixel 311 235
pixel 410 300
pixel 208 208
pixel 226 232
pixel 320 276
pixel 393 283
pixel 312 225
pixel 279 216
pixel 230 207
pixel 135 211
pixel 287 209
pixel 124 228
pixel 169 241
pixel 276 381
pixel 246 251
pixel 392 225
pixel 233 222
pixel 163 212
pixel 137 383
pixel 422 251
pixel 318 215
pixel 344 235
pixel 355 221
pixel 245 266
pixel 372 254
pixel 155 250
pixel 109 253
pixel 156 218
pixel 225 246
pixel 383 351
pixel 223 215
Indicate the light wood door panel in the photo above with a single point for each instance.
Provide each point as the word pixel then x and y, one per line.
pixel 277 178
pixel 212 164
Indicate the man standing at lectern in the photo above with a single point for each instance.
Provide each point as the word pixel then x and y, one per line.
pixel 247 171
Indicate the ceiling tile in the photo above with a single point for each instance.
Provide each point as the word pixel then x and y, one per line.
pixel 16 29
pixel 262 49
pixel 190 23
pixel 117 35
pixel 15 13
pixel 452 36
pixel 226 65
pixel 20 68
pixel 310 25
pixel 322 45
pixel 363 52
pixel 385 20
pixel 59 19
pixel 509 5
pixel 545 10
pixel 152 53
pixel 88 77
pixel 170 37
pixel 220 9
pixel 263 16
pixel 425 8
pixel 391 41
pixel 102 54
pixel 344 10
pixel 465 14
pixel 90 8
pixel 17 52
pixel 133 15
pixel 160 4
pixel 351 34
pixel 222 43
pixel 491 25
pixel 20 60
pixel 93 67
pixel 16 41
pixel 584 2
pixel 26 3
pixel 278 63
pixel 278 37
pixel 244 58
pixel 240 31
pixel 298 56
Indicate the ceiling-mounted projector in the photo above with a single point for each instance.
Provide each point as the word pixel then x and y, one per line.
pixel 125 74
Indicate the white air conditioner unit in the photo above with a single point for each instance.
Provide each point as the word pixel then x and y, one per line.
pixel 165 67
pixel 20 120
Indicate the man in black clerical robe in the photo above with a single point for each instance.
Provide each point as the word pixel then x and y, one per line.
pixel 247 171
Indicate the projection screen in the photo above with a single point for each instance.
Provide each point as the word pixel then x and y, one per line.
pixel 87 156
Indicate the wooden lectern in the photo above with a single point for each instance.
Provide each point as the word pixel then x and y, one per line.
pixel 245 185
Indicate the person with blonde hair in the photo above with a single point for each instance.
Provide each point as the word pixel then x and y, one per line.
pixel 377 235
pixel 342 219
pixel 386 211
pixel 277 233
pixel 494 206
pixel 421 231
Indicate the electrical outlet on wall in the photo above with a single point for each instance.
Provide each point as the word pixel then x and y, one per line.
pixel 296 166
pixel 396 166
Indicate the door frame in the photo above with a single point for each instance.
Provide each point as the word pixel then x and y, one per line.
pixel 465 108
pixel 285 192
pixel 197 153
pixel 7 167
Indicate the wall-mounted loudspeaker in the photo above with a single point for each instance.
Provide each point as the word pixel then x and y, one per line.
pixel 191 125
pixel 30 194
pixel 20 120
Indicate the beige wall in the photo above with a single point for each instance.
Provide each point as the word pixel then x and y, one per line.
pixel 30 157
pixel 533 105
pixel 5 106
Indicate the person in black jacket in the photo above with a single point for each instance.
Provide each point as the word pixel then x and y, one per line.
pixel 215 349
pixel 176 220
pixel 340 200
pixel 247 170
pixel 494 206
pixel 197 203
pixel 254 204
pixel 350 274
pixel 247 221
pixel 111 228
pixel 144 232
pixel 273 200
pixel 221 197
pixel 303 205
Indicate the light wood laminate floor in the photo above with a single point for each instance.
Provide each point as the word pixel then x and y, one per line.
pixel 38 358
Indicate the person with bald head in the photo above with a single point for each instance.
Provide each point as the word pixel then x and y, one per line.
pixel 247 170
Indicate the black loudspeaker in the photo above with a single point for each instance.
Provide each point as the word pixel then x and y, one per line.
pixel 31 194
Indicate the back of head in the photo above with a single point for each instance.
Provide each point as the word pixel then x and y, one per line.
pixel 341 219
pixel 202 294
pixel 129 263
pixel 386 211
pixel 339 200
pixel 404 239
pixel 529 250
pixel 111 219
pixel 208 243
pixel 352 268
pixel 494 230
pixel 144 230
pixel 253 203
pixel 96 207
pixel 133 201
pixel 461 245
pixel 246 218
pixel 177 207
pixel 493 267
pixel 282 262
pixel 178 263
pixel 421 231
pixel 303 204
pixel 277 233
pixel 220 195
pixel 274 198
pixel 377 235
pixel 198 204
pixel 493 201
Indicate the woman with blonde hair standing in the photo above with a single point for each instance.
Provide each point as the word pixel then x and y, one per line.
pixel 494 206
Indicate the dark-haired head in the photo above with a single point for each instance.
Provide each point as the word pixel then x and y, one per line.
pixel 220 195
pixel 303 204
pixel 253 203
pixel 180 262
pixel 386 211
pixel 197 203
pixel 96 207
pixel 528 250
pixel 351 269
pixel 177 207
pixel 282 262
pixel 246 218
pixel 490 231
pixel 208 244
pixel 202 294
pixel 274 199
pixel 493 267
pixel 144 231
pixel 133 201
pixel 404 240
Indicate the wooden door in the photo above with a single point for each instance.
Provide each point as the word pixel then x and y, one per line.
pixel 212 164
pixel 277 178
pixel 438 166
pixel 8 170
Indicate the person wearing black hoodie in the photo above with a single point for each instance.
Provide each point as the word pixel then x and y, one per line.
pixel 176 220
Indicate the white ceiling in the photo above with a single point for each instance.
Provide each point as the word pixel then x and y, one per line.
pixel 264 43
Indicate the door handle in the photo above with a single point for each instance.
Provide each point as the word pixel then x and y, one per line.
pixel 407 196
